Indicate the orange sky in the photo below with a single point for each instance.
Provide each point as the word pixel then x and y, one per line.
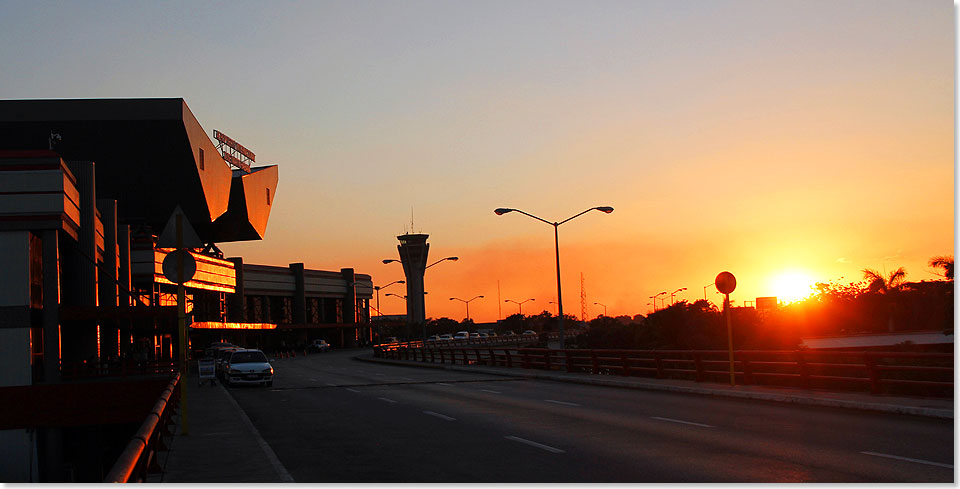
pixel 762 138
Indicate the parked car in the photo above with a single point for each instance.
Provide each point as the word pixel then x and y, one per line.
pixel 248 367
pixel 461 335
pixel 474 335
pixel 481 335
pixel 446 337
pixel 530 332
pixel 433 338
pixel 509 333
pixel 220 358
pixel 319 346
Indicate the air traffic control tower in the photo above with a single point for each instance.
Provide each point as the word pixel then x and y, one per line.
pixel 413 250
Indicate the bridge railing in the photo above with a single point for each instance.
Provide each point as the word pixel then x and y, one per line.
pixel 139 458
pixel 916 373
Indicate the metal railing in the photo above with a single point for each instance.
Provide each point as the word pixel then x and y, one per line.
pixel 486 342
pixel 139 458
pixel 116 368
pixel 928 374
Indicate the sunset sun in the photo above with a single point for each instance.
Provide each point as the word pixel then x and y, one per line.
pixel 792 286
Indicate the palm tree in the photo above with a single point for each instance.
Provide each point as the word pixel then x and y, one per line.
pixel 945 262
pixel 886 287
pixel 879 284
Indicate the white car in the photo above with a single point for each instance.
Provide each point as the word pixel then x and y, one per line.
pixel 248 367
pixel 461 335
pixel 446 337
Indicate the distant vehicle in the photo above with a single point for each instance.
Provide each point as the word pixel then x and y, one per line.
pixel 248 367
pixel 433 338
pixel 390 339
pixel 509 333
pixel 481 335
pixel 461 335
pixel 319 346
pixel 220 358
pixel 446 337
pixel 530 332
pixel 474 335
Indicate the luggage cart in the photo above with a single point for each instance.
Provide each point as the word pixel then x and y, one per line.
pixel 206 370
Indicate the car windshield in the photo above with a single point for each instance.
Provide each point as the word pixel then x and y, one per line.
pixel 248 357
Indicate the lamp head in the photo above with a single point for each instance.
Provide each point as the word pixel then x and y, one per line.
pixel 502 210
pixel 607 209
pixel 388 260
pixel 401 282
pixel 453 258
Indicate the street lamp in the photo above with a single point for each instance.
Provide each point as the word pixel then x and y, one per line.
pixel 451 258
pixel 556 240
pixel 520 304
pixel 551 302
pixel 711 284
pixel 467 302
pixel 380 314
pixel 674 293
pixel 604 307
pixel 655 299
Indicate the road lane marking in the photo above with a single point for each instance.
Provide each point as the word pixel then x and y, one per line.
pixel 313 380
pixel 331 385
pixel 406 378
pixel 535 444
pixel 267 451
pixel 681 422
pixel 387 400
pixel 431 413
pixel 490 391
pixel 353 390
pixel 561 402
pixel 441 383
pixel 914 460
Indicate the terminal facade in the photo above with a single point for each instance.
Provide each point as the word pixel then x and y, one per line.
pixel 87 188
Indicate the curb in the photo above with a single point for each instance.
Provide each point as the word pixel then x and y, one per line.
pixel 762 396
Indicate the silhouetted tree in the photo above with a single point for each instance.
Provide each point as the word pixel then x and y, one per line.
pixel 886 287
pixel 944 262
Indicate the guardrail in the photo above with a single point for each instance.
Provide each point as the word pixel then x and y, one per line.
pixel 486 342
pixel 878 372
pixel 139 458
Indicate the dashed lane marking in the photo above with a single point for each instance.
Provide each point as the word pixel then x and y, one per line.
pixel 441 416
pixel 444 384
pixel 682 422
pixel 562 402
pixel 353 390
pixel 490 391
pixel 535 444
pixel 914 460
pixel 391 401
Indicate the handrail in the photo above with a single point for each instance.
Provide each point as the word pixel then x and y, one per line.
pixel 927 373
pixel 140 456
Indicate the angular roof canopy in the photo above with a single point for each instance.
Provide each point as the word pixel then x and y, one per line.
pixel 147 155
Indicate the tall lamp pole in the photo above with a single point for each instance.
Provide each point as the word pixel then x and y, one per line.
pixel 467 302
pixel 380 314
pixel 556 240
pixel 604 307
pixel 674 293
pixel 520 304
pixel 450 258
pixel 657 297
pixel 705 287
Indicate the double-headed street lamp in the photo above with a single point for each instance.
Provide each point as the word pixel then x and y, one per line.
pixel 377 288
pixel 711 284
pixel 520 304
pixel 556 239
pixel 604 307
pixel 654 297
pixel 467 302
pixel 451 258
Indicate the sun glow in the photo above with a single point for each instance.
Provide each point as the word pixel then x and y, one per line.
pixel 792 286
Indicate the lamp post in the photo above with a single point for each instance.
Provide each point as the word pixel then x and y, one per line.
pixel 551 302
pixel 657 297
pixel 451 258
pixel 380 314
pixel 674 293
pixel 604 307
pixel 556 240
pixel 423 323
pixel 467 302
pixel 520 304
pixel 705 289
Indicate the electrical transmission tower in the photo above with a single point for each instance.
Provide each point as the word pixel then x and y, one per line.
pixel 583 299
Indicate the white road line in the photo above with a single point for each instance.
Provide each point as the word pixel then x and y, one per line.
pixel 431 413
pixel 388 400
pixel 331 385
pixel 441 383
pixel 353 390
pixel 681 422
pixel 535 444
pixel 561 402
pixel 925 462
pixel 267 451
pixel 490 391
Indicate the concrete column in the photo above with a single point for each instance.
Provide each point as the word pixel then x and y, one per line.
pixel 50 314
pixel 123 272
pixel 108 277
pixel 300 295
pixel 80 287
pixel 350 301
pixel 237 302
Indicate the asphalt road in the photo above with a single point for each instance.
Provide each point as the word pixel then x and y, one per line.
pixel 330 418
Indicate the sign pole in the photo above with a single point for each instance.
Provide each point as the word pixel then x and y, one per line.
pixel 726 313
pixel 182 328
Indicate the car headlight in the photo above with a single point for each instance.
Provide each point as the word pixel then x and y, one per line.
pixel 268 371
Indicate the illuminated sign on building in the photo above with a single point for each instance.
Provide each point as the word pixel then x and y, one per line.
pixel 233 152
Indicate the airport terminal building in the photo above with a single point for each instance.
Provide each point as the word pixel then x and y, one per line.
pixel 88 191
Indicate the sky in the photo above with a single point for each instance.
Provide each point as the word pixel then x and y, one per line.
pixel 787 142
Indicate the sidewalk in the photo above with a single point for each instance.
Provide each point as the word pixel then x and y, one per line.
pixel 929 407
pixel 223 446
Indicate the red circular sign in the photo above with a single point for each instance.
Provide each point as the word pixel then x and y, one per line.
pixel 725 282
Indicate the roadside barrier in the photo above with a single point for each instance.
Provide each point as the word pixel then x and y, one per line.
pixel 115 368
pixel 139 458
pixel 918 373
